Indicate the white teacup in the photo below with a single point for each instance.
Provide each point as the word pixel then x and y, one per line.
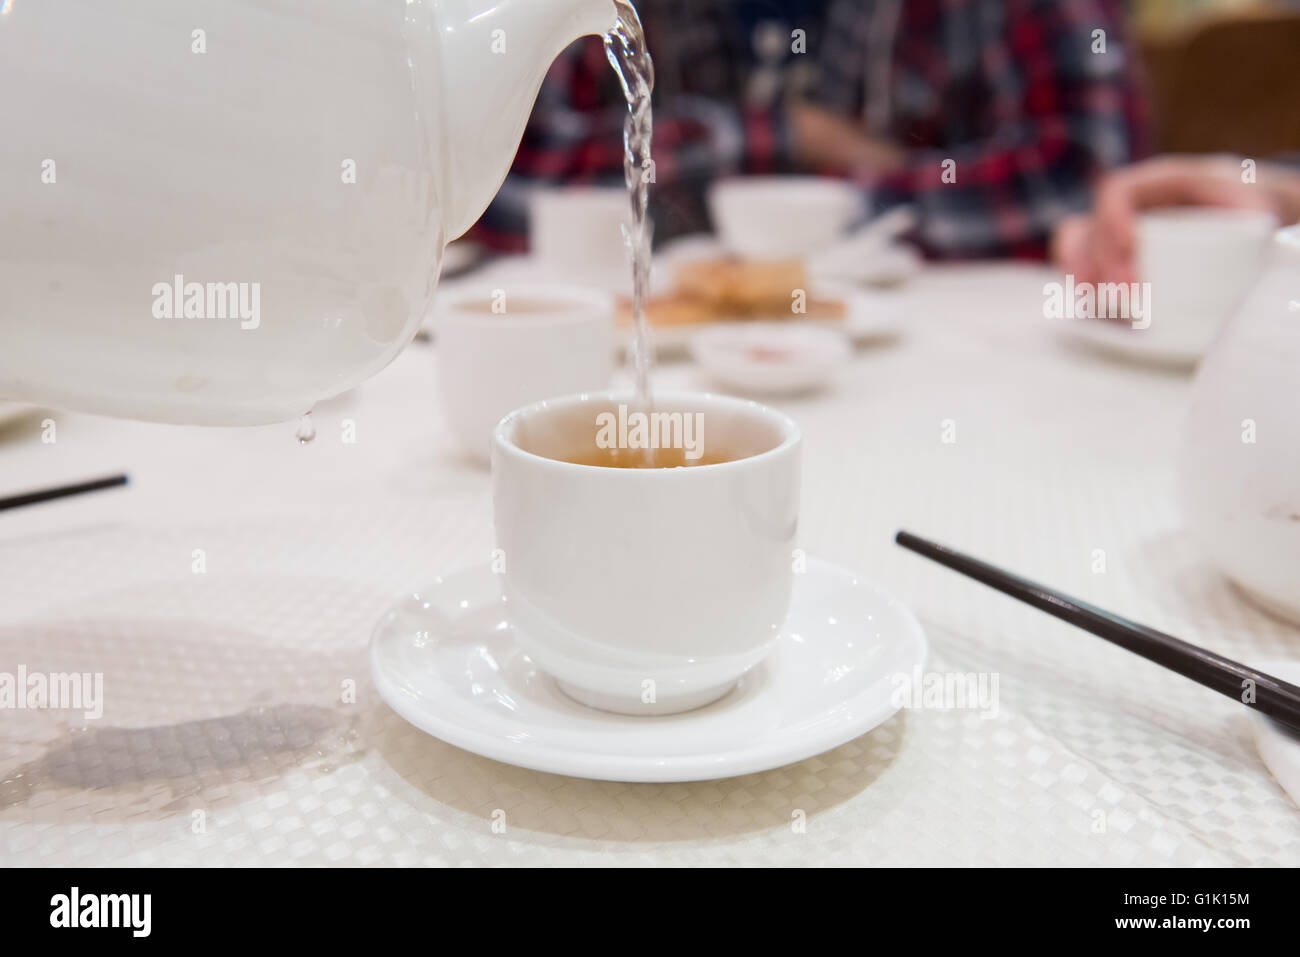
pixel 576 234
pixel 778 217
pixel 500 348
pixel 1200 263
pixel 646 590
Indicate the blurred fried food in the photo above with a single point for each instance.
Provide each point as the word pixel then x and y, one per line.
pixel 713 290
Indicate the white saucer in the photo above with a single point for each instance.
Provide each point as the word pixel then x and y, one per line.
pixel 1125 342
pixel 882 267
pixel 445 660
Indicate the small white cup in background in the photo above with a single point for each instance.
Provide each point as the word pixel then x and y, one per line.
pixel 779 217
pixel 646 590
pixel 576 234
pixel 1200 263
pixel 548 340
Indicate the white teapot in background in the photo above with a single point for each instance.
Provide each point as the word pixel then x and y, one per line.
pixel 222 211
pixel 1241 456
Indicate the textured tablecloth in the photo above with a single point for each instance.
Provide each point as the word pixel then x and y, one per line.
pixel 240 725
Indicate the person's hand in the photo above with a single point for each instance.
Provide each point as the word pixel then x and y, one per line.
pixel 822 138
pixel 1101 246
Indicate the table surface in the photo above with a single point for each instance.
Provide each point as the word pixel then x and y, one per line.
pixel 240 725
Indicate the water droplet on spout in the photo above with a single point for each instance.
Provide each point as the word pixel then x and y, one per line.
pixel 306 429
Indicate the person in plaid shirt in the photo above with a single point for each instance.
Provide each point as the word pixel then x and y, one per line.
pixel 992 118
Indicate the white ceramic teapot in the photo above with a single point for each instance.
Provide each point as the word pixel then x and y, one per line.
pixel 1240 469
pixel 223 211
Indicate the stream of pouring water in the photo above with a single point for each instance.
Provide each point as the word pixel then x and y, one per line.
pixel 625 48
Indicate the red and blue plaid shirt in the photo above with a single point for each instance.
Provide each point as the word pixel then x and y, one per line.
pixel 1022 102
pixel 1007 110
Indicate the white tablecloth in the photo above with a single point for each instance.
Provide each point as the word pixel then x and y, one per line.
pixel 229 735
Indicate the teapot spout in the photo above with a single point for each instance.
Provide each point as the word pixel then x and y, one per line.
pixel 494 55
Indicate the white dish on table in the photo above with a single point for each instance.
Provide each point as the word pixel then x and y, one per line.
pixel 870 314
pixel 771 358
pixel 883 267
pixel 1119 339
pixel 872 255
pixel 446 660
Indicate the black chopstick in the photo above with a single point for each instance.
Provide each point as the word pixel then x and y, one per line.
pixel 62 491
pixel 1278 699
